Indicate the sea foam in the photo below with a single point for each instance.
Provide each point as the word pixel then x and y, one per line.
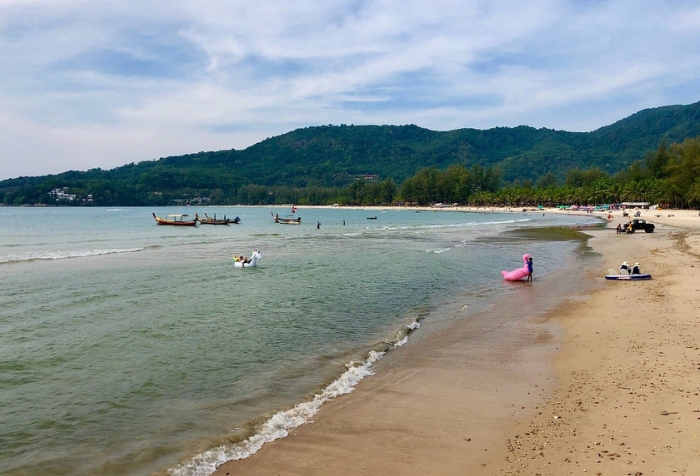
pixel 54 255
pixel 279 425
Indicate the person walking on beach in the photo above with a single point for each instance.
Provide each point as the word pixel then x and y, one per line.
pixel 529 269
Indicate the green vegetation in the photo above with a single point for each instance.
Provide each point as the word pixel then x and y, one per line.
pixel 387 164
pixel 669 176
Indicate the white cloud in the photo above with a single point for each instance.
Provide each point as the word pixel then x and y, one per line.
pixel 98 84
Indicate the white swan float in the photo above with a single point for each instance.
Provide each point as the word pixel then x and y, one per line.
pixel 251 262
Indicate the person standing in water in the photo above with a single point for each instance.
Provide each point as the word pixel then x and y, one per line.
pixel 529 269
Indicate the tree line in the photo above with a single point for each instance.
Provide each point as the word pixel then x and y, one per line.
pixel 670 175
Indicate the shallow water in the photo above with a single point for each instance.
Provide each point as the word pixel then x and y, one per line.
pixel 127 348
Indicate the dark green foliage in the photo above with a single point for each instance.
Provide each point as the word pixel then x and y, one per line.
pixel 583 178
pixel 363 164
pixel 547 181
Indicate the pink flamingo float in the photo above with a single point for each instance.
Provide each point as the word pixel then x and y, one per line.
pixel 517 274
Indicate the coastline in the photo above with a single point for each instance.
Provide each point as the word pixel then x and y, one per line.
pixel 628 399
pixel 553 403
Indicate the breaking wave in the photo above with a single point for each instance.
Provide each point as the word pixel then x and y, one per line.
pixel 279 425
pixel 55 255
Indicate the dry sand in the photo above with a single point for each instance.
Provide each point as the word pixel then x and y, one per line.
pixel 609 385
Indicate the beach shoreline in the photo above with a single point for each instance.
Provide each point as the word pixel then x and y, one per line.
pixel 668 217
pixel 547 405
pixel 628 398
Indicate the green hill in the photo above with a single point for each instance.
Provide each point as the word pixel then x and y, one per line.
pixel 333 156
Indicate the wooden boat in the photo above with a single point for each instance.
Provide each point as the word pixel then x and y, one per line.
pixel 214 221
pixel 287 220
pixel 175 220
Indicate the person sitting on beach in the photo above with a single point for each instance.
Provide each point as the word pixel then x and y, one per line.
pixel 624 267
pixel 637 268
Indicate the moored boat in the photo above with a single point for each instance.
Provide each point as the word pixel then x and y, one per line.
pixel 287 220
pixel 175 220
pixel 207 220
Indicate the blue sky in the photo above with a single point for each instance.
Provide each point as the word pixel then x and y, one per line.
pixel 96 83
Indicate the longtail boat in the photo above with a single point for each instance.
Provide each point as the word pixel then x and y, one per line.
pixel 288 220
pixel 214 221
pixel 176 220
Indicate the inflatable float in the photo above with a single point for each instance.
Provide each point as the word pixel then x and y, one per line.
pixel 254 257
pixel 627 277
pixel 517 274
pixel 627 273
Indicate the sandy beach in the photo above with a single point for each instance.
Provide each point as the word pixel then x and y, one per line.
pixel 605 383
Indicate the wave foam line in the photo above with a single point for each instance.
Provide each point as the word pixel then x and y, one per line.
pixel 54 255
pixel 279 425
pixel 438 250
pixel 482 223
pixel 456 225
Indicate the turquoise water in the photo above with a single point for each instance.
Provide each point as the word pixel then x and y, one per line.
pixel 132 348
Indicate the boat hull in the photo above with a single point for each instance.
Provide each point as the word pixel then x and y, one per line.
pixel 213 221
pixel 163 221
pixel 288 221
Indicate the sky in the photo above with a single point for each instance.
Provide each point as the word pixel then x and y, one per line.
pixel 103 83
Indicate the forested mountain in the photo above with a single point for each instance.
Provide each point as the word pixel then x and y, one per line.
pixel 335 156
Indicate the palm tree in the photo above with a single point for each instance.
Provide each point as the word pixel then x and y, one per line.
pixel 633 192
pixel 693 195
pixel 615 193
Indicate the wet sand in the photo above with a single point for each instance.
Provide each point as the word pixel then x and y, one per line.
pixel 604 385
pixel 628 399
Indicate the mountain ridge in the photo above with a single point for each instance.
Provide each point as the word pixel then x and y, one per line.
pixel 335 155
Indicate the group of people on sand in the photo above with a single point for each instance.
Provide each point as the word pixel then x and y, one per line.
pixel 627 228
pixel 636 269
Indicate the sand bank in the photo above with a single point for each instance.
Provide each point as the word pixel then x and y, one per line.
pixel 605 385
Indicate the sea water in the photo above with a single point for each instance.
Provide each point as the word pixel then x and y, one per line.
pixel 132 348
